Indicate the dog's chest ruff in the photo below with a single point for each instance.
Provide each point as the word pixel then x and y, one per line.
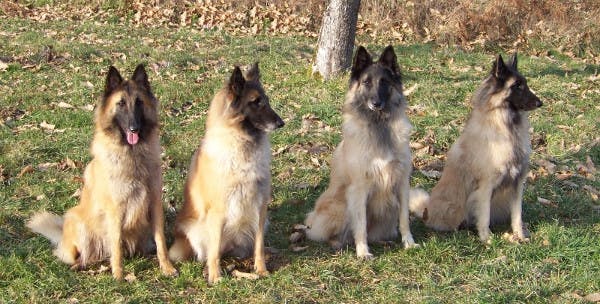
pixel 128 179
pixel 244 170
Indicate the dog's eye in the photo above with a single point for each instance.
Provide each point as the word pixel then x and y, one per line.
pixel 121 102
pixel 258 102
pixel 366 82
pixel 517 86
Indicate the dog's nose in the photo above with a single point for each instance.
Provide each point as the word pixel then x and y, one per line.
pixel 280 123
pixel 538 103
pixel 134 129
pixel 377 104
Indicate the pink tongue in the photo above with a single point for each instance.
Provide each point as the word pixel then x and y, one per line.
pixel 132 138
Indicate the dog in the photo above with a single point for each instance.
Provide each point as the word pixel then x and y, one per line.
pixel 120 208
pixel 367 197
pixel 483 179
pixel 228 186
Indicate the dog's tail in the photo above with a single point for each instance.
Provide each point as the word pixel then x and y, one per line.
pixel 418 201
pixel 47 224
pixel 181 249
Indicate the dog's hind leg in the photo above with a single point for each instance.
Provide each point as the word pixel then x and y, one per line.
pixel 356 196
pixel 328 221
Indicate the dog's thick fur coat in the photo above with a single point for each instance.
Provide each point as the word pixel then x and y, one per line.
pixel 483 179
pixel 228 186
pixel 120 205
pixel 367 197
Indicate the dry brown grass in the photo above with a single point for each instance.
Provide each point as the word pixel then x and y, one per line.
pixel 570 25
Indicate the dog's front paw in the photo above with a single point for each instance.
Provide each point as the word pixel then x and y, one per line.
pixel 117 274
pixel 169 270
pixel 362 252
pixel 515 238
pixel 409 242
pixel 365 256
pixel 262 273
pixel 214 279
pixel 485 235
pixel 408 245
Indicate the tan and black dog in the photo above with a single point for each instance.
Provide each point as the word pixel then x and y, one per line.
pixel 483 179
pixel 120 210
pixel 228 186
pixel 367 197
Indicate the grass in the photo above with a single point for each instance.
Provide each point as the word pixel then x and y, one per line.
pixel 186 68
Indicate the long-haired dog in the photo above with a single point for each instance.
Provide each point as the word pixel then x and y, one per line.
pixel 120 206
pixel 367 197
pixel 483 179
pixel 228 186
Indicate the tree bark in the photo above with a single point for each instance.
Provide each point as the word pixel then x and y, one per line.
pixel 336 38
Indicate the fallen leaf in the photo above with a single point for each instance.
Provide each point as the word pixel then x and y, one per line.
pixel 281 150
pixel 303 186
pixel 295 248
pixel 45 166
pixel 88 107
pixel 67 164
pixel 296 237
pixel 417 145
pixel 590 164
pixel 88 84
pixel 76 194
pixel 130 277
pixel 64 105
pixel 40 197
pixel 3 66
pixel 546 202
pixel 244 275
pixel 299 227
pixel 548 165
pixel 551 261
pixel 563 175
pixel 570 184
pixel 593 297
pixel 411 89
pixel 593 192
pixel 25 170
pixel 431 173
pixel 47 126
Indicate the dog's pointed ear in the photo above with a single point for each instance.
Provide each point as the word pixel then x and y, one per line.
pixel 236 82
pixel 513 61
pixel 362 60
pixel 499 69
pixel 141 78
pixel 252 72
pixel 389 60
pixel 113 80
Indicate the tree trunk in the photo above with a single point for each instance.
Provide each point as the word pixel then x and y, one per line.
pixel 336 38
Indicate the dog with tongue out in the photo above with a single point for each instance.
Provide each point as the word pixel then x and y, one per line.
pixel 120 212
